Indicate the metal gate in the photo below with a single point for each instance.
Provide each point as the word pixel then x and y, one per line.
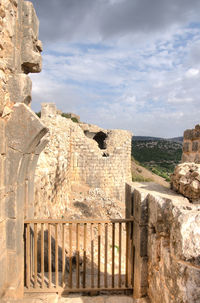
pixel 78 255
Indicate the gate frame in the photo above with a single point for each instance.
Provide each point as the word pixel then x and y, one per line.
pixel 130 257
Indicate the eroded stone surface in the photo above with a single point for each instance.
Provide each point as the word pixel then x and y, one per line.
pixel 73 156
pixel 191 145
pixel 48 298
pixel 20 132
pixel 186 180
pixel 173 237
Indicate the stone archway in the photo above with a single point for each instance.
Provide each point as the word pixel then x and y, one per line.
pixel 23 134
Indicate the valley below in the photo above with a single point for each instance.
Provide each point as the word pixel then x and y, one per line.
pixel 155 157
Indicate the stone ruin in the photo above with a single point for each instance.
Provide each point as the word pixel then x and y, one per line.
pixel 79 153
pixel 186 177
pixel 191 145
pixel 21 133
pixel 166 240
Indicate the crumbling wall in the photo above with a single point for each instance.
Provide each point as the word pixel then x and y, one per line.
pixel 186 176
pixel 166 242
pixel 73 156
pixel 191 145
pixel 21 132
pixel 186 180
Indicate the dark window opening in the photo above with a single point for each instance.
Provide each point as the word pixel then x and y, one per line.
pixel 100 139
pixel 89 134
pixel 105 155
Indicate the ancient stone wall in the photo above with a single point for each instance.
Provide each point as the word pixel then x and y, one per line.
pixel 21 133
pixel 191 145
pixel 73 156
pixel 166 239
pixel 186 180
pixel 186 176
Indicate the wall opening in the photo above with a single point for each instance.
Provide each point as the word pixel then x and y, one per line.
pixel 100 138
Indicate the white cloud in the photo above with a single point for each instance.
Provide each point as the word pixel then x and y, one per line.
pixel 142 75
pixel 192 72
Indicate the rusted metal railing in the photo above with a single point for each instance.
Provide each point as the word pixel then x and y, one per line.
pixel 78 255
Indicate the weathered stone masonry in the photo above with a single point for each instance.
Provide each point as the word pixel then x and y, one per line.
pixel 191 145
pixel 73 156
pixel 167 245
pixel 186 176
pixel 20 132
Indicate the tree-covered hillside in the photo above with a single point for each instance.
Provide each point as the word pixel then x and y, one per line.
pixel 158 155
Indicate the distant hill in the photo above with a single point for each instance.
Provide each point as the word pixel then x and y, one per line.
pixel 157 154
pixel 176 139
pixel 147 138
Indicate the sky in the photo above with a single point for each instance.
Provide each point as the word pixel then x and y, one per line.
pixel 124 64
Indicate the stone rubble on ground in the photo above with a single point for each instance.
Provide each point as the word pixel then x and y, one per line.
pixel 79 153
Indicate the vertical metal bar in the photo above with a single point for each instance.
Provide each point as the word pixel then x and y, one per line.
pixel 99 254
pixel 84 254
pixel 42 254
pixel 120 253
pixel 35 255
pixel 63 255
pixel 92 256
pixel 28 259
pixel 130 251
pixel 77 255
pixel 56 255
pixel 133 256
pixel 49 253
pixel 106 255
pixel 31 251
pixel 70 255
pixel 113 255
pixel 133 267
pixel 127 245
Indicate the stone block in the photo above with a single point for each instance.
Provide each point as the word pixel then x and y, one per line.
pixel 187 134
pixel 185 237
pixel 2 134
pixel 2 236
pixel 26 136
pixel 2 170
pixel 3 275
pixel 11 234
pixel 195 146
pixel 153 249
pixel 12 162
pixel 140 206
pixel 128 200
pixel 23 169
pixel 140 235
pixel 20 86
pixel 184 158
pixel 160 214
pixel 19 236
pixel 188 283
pixel 197 158
pixel 31 46
pixel 10 205
pixel 140 277
pixel 12 271
pixel 20 201
pixel 118 299
pixel 186 147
